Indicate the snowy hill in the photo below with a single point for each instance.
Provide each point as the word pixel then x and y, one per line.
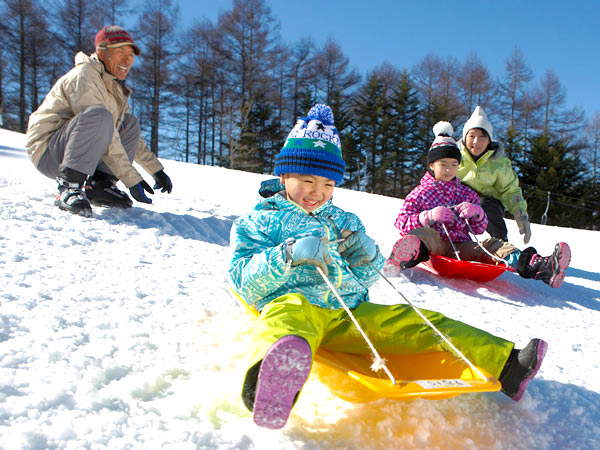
pixel 119 332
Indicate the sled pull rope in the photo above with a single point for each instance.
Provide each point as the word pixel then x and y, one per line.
pixel 473 236
pixel 379 362
pixel 450 240
pixel 432 326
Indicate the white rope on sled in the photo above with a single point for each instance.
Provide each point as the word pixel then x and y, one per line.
pixel 450 240
pixel 432 326
pixel 379 362
pixel 474 236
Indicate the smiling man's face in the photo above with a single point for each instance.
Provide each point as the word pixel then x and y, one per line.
pixel 118 61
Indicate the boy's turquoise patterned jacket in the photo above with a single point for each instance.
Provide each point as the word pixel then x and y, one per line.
pixel 259 270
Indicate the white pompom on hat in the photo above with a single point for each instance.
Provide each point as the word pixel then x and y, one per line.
pixel 444 146
pixel 479 119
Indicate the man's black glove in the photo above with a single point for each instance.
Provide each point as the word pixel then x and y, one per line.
pixel 162 181
pixel 137 192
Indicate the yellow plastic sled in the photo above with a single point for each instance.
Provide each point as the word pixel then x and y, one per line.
pixel 432 376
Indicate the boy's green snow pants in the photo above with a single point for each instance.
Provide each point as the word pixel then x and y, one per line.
pixel 393 329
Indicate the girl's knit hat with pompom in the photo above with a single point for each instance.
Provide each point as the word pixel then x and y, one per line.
pixel 313 147
pixel 443 146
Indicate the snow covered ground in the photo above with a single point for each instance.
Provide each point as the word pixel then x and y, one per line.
pixel 118 331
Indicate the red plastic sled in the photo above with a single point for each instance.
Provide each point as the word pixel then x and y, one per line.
pixel 470 270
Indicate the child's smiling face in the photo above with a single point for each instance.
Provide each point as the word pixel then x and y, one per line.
pixel 477 141
pixel 308 191
pixel 444 169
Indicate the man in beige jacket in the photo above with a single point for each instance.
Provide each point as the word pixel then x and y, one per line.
pixel 84 135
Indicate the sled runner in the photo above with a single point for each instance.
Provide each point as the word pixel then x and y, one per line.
pixel 433 375
pixel 470 270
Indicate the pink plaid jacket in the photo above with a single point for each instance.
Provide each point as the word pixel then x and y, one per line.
pixel 431 193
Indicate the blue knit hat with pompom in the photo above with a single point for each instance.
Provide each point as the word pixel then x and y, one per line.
pixel 313 147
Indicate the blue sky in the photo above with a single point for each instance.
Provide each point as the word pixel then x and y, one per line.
pixel 561 35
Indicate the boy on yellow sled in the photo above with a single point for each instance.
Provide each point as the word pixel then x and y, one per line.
pixel 277 249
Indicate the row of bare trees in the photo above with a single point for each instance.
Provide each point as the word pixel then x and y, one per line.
pixel 227 93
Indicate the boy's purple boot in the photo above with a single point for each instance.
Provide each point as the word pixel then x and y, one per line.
pixel 283 372
pixel 521 367
pixel 549 269
pixel 408 251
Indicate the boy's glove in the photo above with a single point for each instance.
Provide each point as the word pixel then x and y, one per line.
pixel 468 210
pixel 163 181
pixel 310 250
pixel 137 192
pixel 437 214
pixel 358 248
pixel 523 223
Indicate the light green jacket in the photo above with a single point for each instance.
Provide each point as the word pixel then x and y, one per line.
pixel 493 176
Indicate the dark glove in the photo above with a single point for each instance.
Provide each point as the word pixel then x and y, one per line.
pixel 163 181
pixel 358 249
pixel 310 250
pixel 523 223
pixel 137 192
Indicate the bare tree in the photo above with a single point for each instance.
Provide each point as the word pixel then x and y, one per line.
pixel 116 11
pixel 248 34
pixel 592 130
pixel 39 57
pixel 513 86
pixel 299 60
pixel 156 31
pixel 27 37
pixel 280 63
pixel 76 23
pixel 2 68
pixel 331 71
pixel 528 120
pixel 18 17
pixel 554 116
pixel 426 75
pixel 201 72
pixel 475 85
pixel 448 104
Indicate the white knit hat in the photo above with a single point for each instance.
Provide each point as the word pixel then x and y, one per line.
pixel 479 119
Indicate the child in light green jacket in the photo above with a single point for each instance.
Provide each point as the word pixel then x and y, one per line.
pixel 486 169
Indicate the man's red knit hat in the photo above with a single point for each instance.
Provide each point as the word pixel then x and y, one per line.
pixel 112 36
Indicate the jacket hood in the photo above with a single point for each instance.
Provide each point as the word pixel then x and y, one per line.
pixel 269 188
pixel 82 58
pixel 498 147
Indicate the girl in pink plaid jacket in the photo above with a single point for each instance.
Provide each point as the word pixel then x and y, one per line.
pixel 437 216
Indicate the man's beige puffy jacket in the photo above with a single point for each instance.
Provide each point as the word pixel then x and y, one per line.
pixel 88 84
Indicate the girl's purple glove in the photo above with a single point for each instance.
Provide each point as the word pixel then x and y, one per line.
pixel 437 214
pixel 468 210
